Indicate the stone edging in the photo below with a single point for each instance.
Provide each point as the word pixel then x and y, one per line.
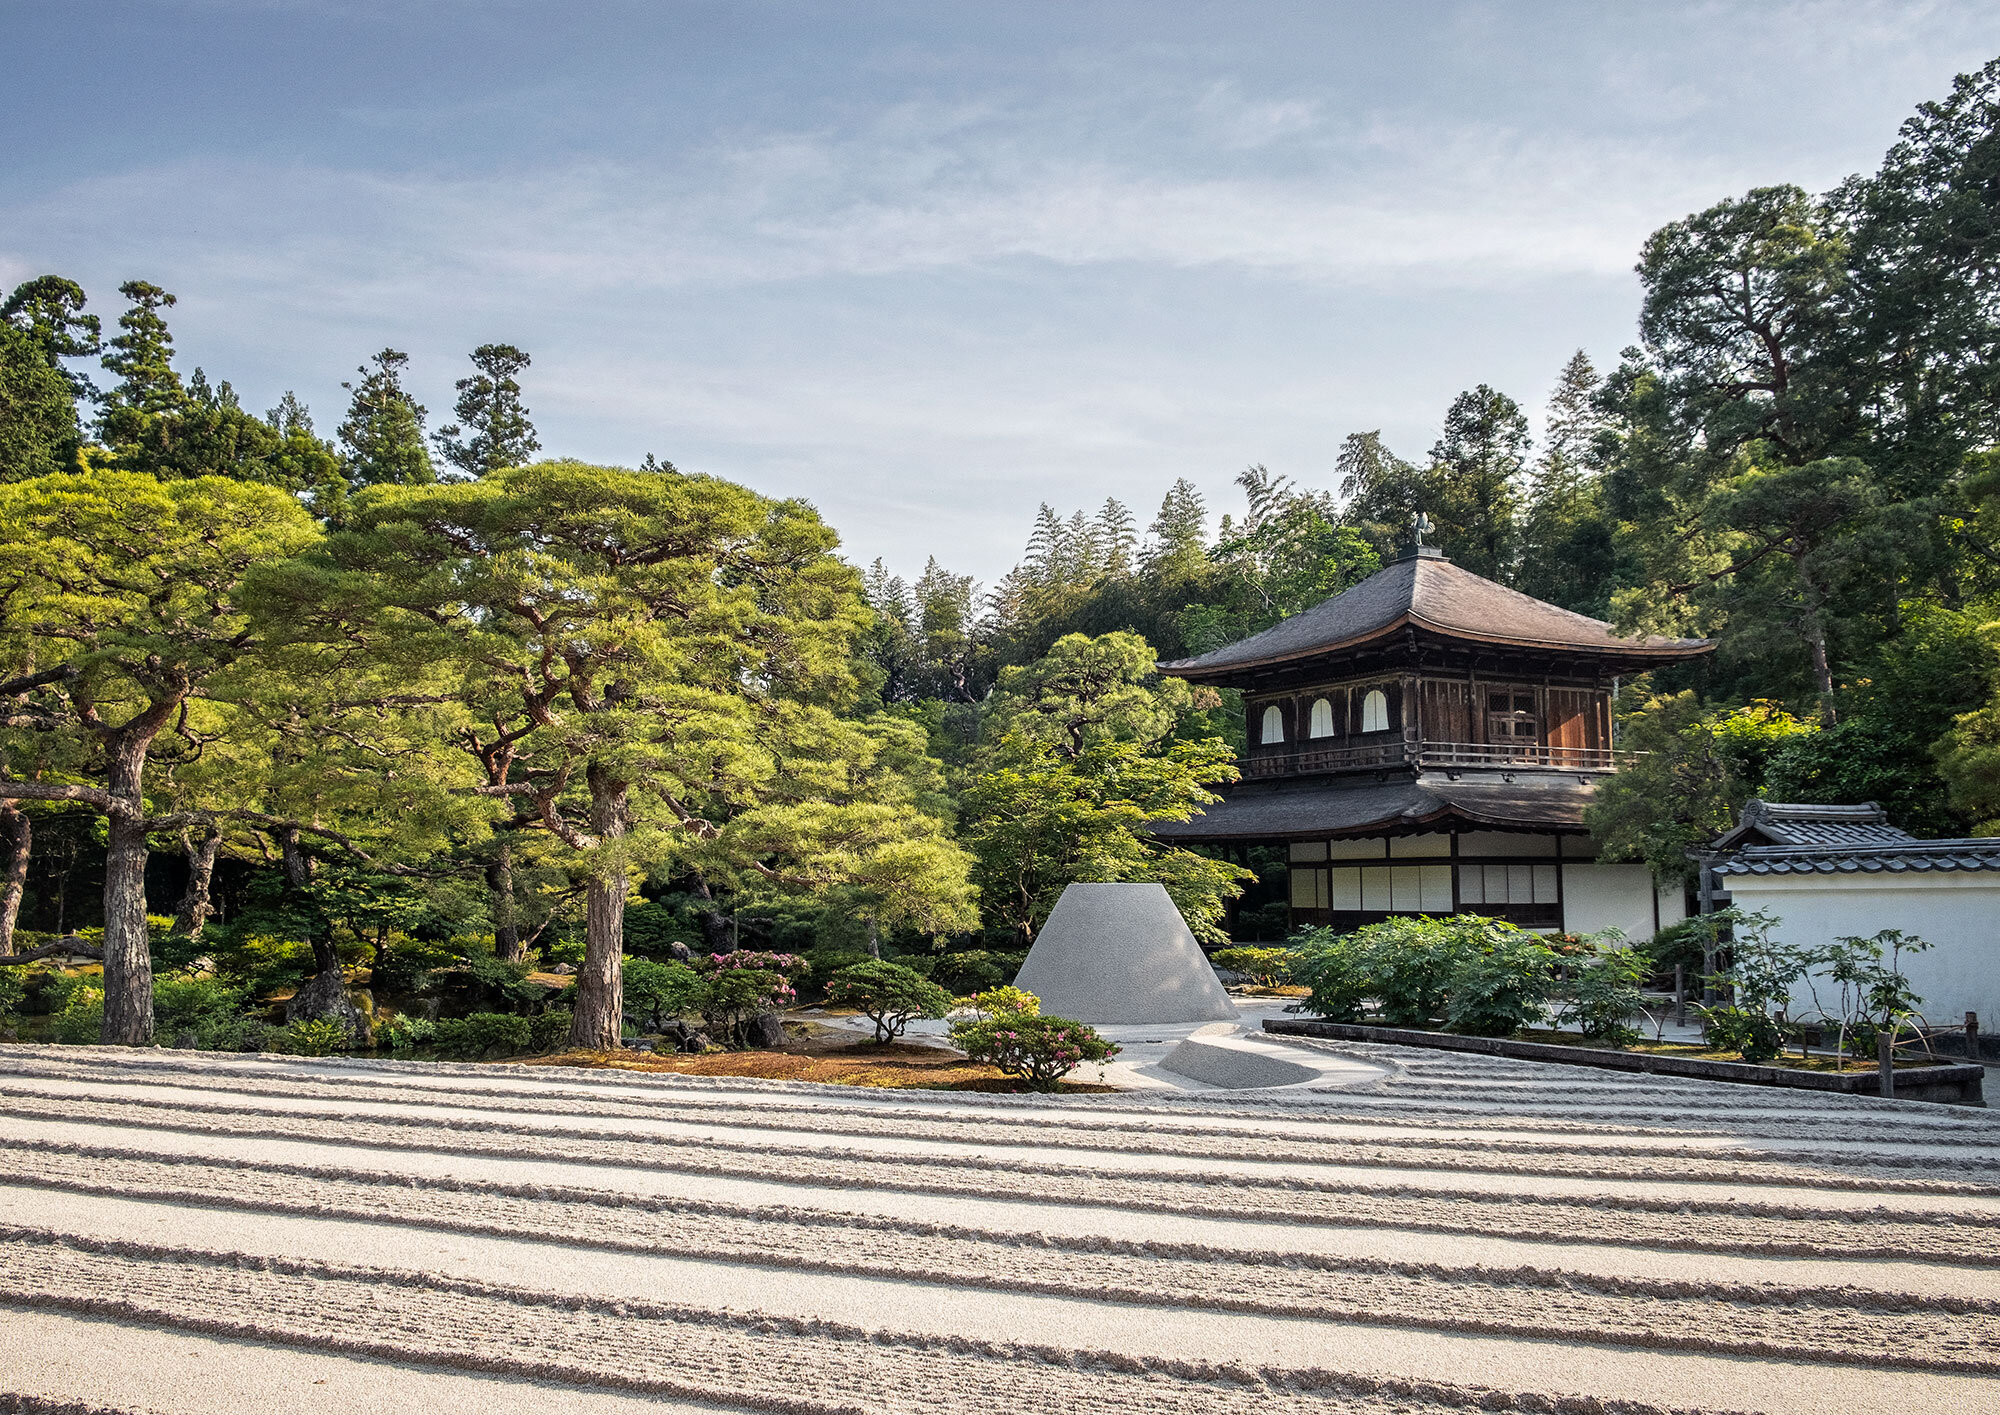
pixel 1961 1082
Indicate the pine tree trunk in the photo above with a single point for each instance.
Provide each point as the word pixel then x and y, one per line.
pixel 500 885
pixel 20 840
pixel 128 958
pixel 192 917
pixel 599 1021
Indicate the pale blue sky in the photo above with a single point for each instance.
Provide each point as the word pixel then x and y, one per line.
pixel 927 264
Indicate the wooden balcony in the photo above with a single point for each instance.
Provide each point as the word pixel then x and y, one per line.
pixel 1377 756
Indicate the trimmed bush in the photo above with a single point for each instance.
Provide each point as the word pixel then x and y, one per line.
pixel 1035 1049
pixel 549 1031
pixel 308 1037
pixel 406 1032
pixel 657 993
pixel 80 1020
pixel 1475 974
pixel 740 986
pixel 483 1034
pixel 1269 966
pixel 205 1014
pixel 887 994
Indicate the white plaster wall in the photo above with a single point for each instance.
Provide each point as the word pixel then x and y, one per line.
pixel 1608 896
pixel 1673 903
pixel 1958 914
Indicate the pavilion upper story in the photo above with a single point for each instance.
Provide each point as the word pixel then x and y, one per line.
pixel 1425 665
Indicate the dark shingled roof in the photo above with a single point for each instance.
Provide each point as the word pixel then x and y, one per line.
pixel 1426 590
pixel 1284 811
pixel 1799 825
pixel 1907 857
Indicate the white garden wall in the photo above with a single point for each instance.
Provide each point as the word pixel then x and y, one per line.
pixel 1959 914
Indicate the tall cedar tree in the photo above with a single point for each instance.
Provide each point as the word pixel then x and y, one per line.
pixel 1478 466
pixel 492 430
pixel 382 436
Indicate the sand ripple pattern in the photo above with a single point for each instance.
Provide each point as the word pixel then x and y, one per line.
pixel 842 1192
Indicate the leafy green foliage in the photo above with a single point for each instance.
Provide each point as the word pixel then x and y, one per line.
pixel 1604 994
pixel 1475 974
pixel 657 993
pixel 1007 1030
pixel 1269 966
pixel 313 1036
pixel 205 1014
pixel 741 985
pixel 888 995
pixel 382 436
pixel 482 1035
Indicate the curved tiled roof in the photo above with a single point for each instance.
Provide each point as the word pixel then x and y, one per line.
pixel 1427 591
pixel 1803 825
pixel 1886 857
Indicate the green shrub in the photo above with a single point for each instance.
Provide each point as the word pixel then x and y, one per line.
pixel 316 1036
pixel 1333 967
pixel 13 991
pixel 741 985
pixel 1477 974
pixel 1007 1002
pixel 1035 1049
pixel 483 1034
pixel 80 1021
pixel 206 1014
pixel 1269 966
pixel 1746 1030
pixel 1498 989
pixel 971 970
pixel 1604 992
pixel 549 1031
pixel 406 1031
pixel 887 994
pixel 657 993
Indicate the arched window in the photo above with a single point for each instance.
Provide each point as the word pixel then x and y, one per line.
pixel 1375 711
pixel 1322 719
pixel 1274 725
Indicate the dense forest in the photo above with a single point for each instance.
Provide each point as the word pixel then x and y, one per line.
pixel 286 710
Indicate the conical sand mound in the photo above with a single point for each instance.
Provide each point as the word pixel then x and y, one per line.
pixel 1120 953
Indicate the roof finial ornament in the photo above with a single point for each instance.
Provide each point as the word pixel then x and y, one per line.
pixel 1422 522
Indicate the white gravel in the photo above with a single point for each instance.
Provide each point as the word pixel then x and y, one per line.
pixel 1468 1232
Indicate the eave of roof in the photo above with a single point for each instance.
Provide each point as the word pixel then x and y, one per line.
pixel 1920 857
pixel 1426 592
pixel 1292 811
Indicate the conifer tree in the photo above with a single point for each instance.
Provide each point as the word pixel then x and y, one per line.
pixel 148 388
pixel 1179 534
pixel 382 436
pixel 492 430
pixel 1478 466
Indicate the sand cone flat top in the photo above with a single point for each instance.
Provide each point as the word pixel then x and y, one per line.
pixel 1120 953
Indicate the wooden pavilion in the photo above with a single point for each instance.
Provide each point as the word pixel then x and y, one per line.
pixel 1426 742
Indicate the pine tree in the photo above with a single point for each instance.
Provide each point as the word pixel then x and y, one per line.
pixel 492 430
pixel 382 436
pixel 39 327
pixel 148 388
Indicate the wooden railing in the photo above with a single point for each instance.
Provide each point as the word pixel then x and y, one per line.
pixel 1308 761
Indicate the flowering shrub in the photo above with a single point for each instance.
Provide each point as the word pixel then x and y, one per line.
pixel 888 995
pixel 741 985
pixel 1009 1031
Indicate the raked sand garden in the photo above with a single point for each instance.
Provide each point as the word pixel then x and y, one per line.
pixel 196 1233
